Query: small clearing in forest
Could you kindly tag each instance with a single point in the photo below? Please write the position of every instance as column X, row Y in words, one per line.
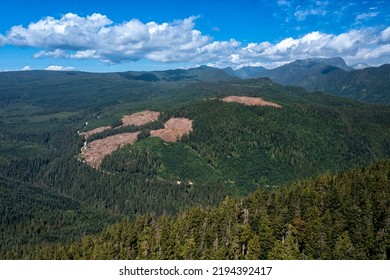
column 140, row 118
column 173, row 129
column 246, row 100
column 94, row 152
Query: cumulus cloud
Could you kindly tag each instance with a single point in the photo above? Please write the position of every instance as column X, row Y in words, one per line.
column 59, row 68
column 368, row 45
column 385, row 35
column 70, row 32
column 26, row 68
column 97, row 37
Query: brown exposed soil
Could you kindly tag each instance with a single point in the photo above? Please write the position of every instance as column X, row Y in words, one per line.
column 173, row 129
column 250, row 101
column 140, row 118
column 88, row 133
column 94, row 152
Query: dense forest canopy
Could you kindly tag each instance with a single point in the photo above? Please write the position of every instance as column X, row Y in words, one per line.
column 332, row 216
column 55, row 206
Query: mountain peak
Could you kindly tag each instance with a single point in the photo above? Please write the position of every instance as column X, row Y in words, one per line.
column 318, row 61
column 248, row 72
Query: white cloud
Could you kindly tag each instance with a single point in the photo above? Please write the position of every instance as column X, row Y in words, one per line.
column 385, row 35
column 56, row 54
column 301, row 15
column 284, row 3
column 368, row 45
column 97, row 37
column 311, row 8
column 366, row 16
column 26, row 68
column 59, row 68
column 70, row 32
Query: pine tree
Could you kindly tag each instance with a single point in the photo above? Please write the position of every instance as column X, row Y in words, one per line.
column 344, row 249
column 285, row 249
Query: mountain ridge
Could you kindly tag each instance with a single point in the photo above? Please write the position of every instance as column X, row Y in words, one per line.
column 333, row 76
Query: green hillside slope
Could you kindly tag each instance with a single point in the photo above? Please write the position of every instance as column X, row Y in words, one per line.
column 30, row 215
column 251, row 146
column 342, row 216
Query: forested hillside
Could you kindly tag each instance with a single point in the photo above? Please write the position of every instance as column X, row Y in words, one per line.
column 244, row 147
column 49, row 196
column 333, row 216
column 30, row 215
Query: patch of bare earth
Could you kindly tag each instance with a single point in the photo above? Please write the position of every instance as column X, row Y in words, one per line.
column 140, row 118
column 174, row 129
column 88, row 133
column 246, row 100
column 94, row 152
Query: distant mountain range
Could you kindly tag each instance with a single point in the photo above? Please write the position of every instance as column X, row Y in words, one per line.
column 247, row 72
column 202, row 73
column 330, row 75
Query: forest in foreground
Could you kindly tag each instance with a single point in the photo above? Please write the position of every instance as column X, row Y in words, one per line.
column 333, row 216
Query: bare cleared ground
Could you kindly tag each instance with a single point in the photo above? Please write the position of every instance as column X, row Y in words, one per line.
column 246, row 100
column 173, row 129
column 140, row 118
column 96, row 151
column 93, row 153
column 88, row 133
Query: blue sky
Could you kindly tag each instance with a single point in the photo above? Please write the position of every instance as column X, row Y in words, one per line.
column 109, row 35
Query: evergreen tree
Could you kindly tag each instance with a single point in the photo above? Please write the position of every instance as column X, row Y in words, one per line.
column 344, row 249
